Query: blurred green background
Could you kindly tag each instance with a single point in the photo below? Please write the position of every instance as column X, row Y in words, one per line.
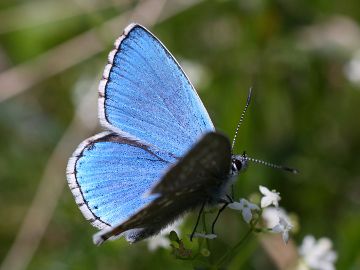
column 302, row 57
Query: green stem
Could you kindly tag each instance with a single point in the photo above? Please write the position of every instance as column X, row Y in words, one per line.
column 206, row 239
column 228, row 255
column 205, row 230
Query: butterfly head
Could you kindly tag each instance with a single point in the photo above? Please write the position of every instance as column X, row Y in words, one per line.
column 239, row 164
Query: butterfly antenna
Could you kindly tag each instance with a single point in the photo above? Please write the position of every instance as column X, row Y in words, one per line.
column 241, row 117
column 271, row 165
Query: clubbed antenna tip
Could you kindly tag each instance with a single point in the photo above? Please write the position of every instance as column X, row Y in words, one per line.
column 275, row 166
column 292, row 170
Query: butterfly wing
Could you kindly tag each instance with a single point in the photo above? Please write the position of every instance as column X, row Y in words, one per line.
column 200, row 176
column 108, row 174
column 151, row 109
column 145, row 94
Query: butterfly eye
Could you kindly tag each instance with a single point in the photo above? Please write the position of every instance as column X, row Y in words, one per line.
column 238, row 164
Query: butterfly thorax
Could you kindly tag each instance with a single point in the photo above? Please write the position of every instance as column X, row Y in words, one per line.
column 218, row 192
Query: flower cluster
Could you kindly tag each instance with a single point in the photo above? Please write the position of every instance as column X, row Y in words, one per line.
column 317, row 255
column 246, row 209
column 313, row 254
column 269, row 198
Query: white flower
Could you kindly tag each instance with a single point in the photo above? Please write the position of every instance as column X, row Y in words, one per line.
column 272, row 215
column 161, row 240
column 269, row 197
column 245, row 207
column 283, row 227
column 318, row 255
column 203, row 235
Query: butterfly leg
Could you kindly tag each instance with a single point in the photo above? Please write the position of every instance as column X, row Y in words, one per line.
column 197, row 220
column 226, row 203
column 217, row 216
column 231, row 198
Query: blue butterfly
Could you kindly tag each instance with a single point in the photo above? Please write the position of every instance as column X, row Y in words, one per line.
column 161, row 155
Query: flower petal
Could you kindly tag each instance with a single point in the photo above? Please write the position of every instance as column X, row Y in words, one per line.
column 277, row 229
column 264, row 190
column 247, row 215
column 266, row 201
column 203, row 235
column 285, row 236
column 235, row 206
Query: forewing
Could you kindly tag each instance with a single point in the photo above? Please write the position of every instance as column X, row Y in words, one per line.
column 197, row 178
column 145, row 93
column 206, row 165
column 109, row 174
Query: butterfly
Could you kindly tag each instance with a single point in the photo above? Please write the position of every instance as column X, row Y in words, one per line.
column 160, row 156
